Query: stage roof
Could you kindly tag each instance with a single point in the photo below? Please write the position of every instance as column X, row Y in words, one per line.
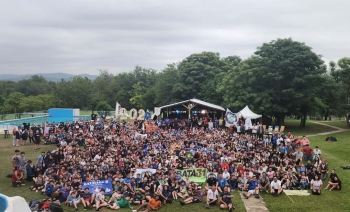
column 196, row 101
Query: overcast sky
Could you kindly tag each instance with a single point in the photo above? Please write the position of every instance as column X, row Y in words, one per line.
column 86, row 36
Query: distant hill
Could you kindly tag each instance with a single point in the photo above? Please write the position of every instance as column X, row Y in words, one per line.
column 55, row 77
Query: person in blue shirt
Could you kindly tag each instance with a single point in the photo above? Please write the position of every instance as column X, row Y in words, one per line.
column 253, row 188
column 274, row 142
column 138, row 178
column 73, row 200
column 167, row 122
column 221, row 182
column 50, row 188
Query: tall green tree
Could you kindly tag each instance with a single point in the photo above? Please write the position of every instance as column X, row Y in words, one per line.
column 341, row 74
column 12, row 102
column 282, row 77
column 168, row 87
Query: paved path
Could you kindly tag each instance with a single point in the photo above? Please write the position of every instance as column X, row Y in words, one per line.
column 337, row 130
column 258, row 205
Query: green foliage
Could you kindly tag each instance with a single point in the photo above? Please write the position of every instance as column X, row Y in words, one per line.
column 283, row 77
column 12, row 102
column 103, row 106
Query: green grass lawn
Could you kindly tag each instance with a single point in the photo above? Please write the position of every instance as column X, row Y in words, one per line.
column 7, row 151
column 336, row 154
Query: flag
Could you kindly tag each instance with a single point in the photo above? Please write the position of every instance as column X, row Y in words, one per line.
column 147, row 115
column 117, row 109
column 230, row 118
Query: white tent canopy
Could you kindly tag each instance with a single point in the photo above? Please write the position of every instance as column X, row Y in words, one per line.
column 247, row 113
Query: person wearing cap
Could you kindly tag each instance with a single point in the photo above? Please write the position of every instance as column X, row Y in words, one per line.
column 100, row 200
column 226, row 199
column 86, row 197
column 197, row 199
column 211, row 181
column 253, row 187
column 212, row 196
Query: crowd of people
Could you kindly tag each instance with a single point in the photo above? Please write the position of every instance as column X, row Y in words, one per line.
column 247, row 160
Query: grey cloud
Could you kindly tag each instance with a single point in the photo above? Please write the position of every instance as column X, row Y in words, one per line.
column 85, row 36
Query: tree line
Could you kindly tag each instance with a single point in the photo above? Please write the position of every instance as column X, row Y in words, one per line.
column 282, row 77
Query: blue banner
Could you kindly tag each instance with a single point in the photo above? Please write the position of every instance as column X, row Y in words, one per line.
column 96, row 185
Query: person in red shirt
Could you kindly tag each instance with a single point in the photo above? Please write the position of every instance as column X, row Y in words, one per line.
column 224, row 165
column 308, row 153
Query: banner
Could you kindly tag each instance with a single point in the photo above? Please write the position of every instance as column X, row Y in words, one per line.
column 96, row 185
column 248, row 124
column 230, row 118
column 157, row 111
column 141, row 135
column 144, row 171
column 117, row 109
column 197, row 175
column 150, row 128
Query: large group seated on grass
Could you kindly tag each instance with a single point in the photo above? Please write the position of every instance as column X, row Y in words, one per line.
column 248, row 161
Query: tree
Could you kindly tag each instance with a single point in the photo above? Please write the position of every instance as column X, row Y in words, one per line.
column 341, row 74
column 167, row 88
column 103, row 106
column 12, row 102
column 76, row 93
column 282, row 77
column 196, row 70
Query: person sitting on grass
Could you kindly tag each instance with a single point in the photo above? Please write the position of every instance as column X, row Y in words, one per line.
column 334, row 183
column 304, row 181
column 113, row 201
column 183, row 190
column 226, row 199
column 253, row 188
column 17, row 177
column 100, row 200
column 137, row 198
column 50, row 188
column 316, row 185
column 212, row 196
column 197, row 199
column 73, row 200
column 275, row 187
column 86, row 197
column 153, row 205
column 39, row 182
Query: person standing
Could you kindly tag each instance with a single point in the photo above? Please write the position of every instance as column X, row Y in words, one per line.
column 24, row 137
column 37, row 138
